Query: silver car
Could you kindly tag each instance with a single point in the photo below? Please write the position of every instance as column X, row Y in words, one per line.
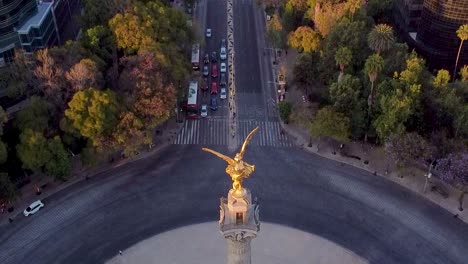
column 33, row 208
column 223, row 94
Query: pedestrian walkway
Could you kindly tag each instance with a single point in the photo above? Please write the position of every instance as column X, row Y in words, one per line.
column 215, row 131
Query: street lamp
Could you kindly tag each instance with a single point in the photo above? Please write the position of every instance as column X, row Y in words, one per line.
column 428, row 176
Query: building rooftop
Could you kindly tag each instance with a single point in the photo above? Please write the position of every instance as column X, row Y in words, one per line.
column 36, row 20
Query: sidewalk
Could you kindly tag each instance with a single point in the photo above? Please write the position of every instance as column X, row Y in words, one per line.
column 163, row 138
column 357, row 154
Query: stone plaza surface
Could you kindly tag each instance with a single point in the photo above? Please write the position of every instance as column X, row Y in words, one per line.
column 203, row 243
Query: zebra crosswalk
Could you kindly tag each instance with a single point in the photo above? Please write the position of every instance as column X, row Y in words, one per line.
column 215, row 131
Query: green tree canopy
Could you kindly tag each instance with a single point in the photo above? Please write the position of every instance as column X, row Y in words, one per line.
column 330, row 123
column 59, row 164
column 346, row 94
column 35, row 115
column 32, row 150
column 92, row 113
column 3, row 152
column 7, row 189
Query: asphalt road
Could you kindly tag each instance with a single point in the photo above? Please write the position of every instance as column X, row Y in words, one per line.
column 180, row 185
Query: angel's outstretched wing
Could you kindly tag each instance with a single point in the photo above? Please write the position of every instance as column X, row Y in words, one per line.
column 246, row 141
column 224, row 157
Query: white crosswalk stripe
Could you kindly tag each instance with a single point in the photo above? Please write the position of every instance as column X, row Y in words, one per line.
column 215, row 131
column 269, row 133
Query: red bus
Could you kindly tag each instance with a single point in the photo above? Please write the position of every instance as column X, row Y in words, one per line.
column 192, row 100
column 195, row 57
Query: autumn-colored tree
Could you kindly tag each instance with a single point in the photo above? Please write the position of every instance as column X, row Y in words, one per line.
column 326, row 15
column 462, row 34
column 84, row 74
column 50, row 75
column 343, row 58
column 131, row 134
column 304, row 39
column 353, row 6
column 275, row 32
column 93, row 114
column 464, row 73
column 442, row 79
column 381, row 38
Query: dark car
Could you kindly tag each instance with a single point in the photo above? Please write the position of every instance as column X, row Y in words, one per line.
column 214, row 103
column 214, row 57
column 223, row 43
column 206, row 59
column 214, row 70
column 222, row 81
column 214, row 88
column 205, row 84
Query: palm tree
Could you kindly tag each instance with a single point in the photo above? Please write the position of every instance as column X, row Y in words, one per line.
column 381, row 38
column 462, row 34
column 343, row 57
column 374, row 65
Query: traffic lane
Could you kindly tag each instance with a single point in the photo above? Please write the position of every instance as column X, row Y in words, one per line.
column 216, row 20
column 373, row 217
column 247, row 78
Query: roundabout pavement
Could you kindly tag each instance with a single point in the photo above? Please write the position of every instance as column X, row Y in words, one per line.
column 376, row 219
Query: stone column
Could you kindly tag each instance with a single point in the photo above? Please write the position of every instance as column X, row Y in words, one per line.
column 239, row 223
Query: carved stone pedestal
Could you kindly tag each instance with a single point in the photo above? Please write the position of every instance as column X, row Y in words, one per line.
column 239, row 223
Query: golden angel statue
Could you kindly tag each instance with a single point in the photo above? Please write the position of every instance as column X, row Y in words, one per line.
column 237, row 168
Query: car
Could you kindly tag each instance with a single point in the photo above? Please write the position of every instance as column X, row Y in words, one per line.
column 208, row 32
column 214, row 88
column 206, row 72
column 222, row 53
column 204, row 111
column 223, row 94
column 222, row 80
column 214, row 58
column 214, row 103
column 189, row 10
column 214, row 70
column 223, row 43
column 223, row 67
column 206, row 59
column 204, row 86
column 33, row 208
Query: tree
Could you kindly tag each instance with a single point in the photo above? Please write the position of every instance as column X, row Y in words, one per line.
column 35, row 115
column 462, row 34
column 305, row 69
column 442, row 79
column 330, row 123
column 18, row 75
column 374, row 65
column 343, row 57
column 381, row 38
column 3, row 119
column 131, row 134
column 464, row 73
column 304, row 39
column 84, row 74
column 353, row 6
column 326, row 15
column 7, row 189
column 92, row 113
column 59, row 164
column 408, row 148
column 50, row 75
column 149, row 95
column 275, row 33
column 32, row 150
column 285, row 109
column 453, row 170
column 345, row 95
column 3, row 152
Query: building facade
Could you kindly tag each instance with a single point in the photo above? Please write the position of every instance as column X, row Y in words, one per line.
column 430, row 27
column 13, row 14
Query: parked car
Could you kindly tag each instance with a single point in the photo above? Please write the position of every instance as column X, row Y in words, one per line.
column 208, row 32
column 206, row 72
column 223, row 67
column 214, row 88
column 206, row 59
column 222, row 80
column 223, row 94
column 204, row 86
column 214, row 57
column 223, row 43
column 33, row 208
column 222, row 53
column 214, row 70
column 214, row 103
column 204, row 111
